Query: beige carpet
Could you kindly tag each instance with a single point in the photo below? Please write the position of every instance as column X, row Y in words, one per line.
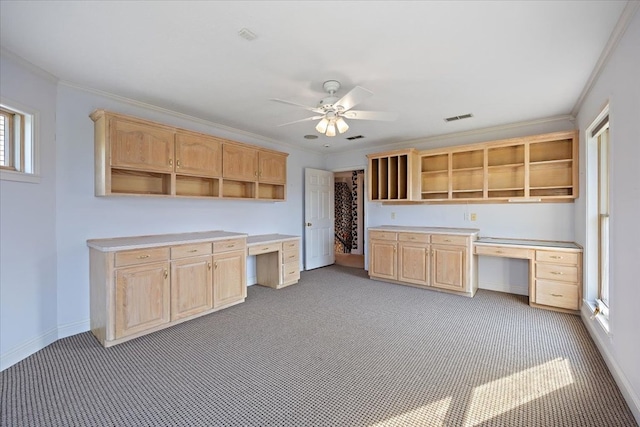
column 337, row 349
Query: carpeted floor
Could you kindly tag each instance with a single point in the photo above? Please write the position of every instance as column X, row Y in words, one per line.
column 337, row 349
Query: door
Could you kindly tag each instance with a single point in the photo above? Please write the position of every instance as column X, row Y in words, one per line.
column 383, row 259
column 229, row 278
column 139, row 146
column 198, row 155
column 239, row 162
column 191, row 289
column 448, row 267
column 319, row 218
column 272, row 167
column 413, row 263
column 142, row 298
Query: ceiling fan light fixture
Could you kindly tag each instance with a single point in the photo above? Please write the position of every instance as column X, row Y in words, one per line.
column 342, row 125
column 331, row 129
column 322, row 125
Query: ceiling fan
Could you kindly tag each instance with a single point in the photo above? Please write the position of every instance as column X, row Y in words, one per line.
column 332, row 111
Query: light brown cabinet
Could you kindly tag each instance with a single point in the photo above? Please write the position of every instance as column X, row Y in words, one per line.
column 394, row 175
column 533, row 168
column 166, row 279
column 141, row 298
column 139, row 157
column 277, row 259
column 426, row 258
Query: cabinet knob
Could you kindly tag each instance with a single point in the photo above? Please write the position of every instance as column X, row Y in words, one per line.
column 309, row 224
column 209, row 265
column 170, row 162
column 215, row 265
column 166, row 273
column 178, row 163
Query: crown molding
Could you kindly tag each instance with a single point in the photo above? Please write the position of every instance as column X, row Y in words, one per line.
column 28, row 65
column 479, row 131
column 626, row 16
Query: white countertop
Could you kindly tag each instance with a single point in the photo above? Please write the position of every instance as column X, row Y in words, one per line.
column 429, row 230
column 139, row 242
column 269, row 238
column 526, row 243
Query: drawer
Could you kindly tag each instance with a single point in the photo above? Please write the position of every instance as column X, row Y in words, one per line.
column 413, row 237
column 141, row 256
column 263, row 249
column 185, row 251
column 383, row 235
column 557, row 294
column 291, row 245
column 557, row 257
column 229, row 245
column 290, row 256
column 447, row 239
column 504, row 251
column 564, row 273
column 290, row 272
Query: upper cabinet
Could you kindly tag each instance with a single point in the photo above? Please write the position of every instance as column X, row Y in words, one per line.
column 528, row 169
column 394, row 176
column 139, row 157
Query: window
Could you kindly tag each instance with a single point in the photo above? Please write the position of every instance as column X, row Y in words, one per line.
column 17, row 144
column 598, row 209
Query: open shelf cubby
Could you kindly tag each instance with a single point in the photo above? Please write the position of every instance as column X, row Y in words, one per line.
column 509, row 155
column 238, row 189
column 270, row 191
column 468, row 194
column 468, row 159
column 556, row 174
column 197, row 186
column 436, row 181
column 468, row 179
column 435, row 163
column 551, row 150
column 427, row 195
column 504, row 177
column 124, row 181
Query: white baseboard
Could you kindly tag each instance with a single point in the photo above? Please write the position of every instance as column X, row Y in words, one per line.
column 73, row 328
column 619, row 377
column 252, row 281
column 25, row 350
column 508, row 288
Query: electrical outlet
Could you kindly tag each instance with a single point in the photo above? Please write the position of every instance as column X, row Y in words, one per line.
column 473, row 216
column 466, row 216
column 393, row 215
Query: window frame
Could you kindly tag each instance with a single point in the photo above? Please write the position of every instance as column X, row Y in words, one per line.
column 25, row 149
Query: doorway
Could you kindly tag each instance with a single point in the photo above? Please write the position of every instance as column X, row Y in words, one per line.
column 349, row 218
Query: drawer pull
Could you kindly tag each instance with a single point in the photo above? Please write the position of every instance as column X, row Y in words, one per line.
column 556, row 295
column 292, row 272
column 265, row 249
column 193, row 250
column 143, row 256
column 555, row 257
column 499, row 252
column 412, row 238
column 231, row 246
column 557, row 273
column 447, row 240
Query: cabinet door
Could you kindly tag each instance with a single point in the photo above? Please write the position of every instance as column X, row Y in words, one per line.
column 229, row 278
column 383, row 260
column 198, row 155
column 142, row 298
column 272, row 167
column 239, row 162
column 139, row 146
column 448, row 268
column 413, row 263
column 191, row 286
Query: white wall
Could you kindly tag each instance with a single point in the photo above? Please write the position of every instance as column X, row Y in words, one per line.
column 548, row 221
column 83, row 216
column 618, row 84
column 28, row 258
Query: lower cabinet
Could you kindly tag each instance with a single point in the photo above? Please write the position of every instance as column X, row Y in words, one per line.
column 229, row 278
column 141, row 298
column 424, row 259
column 138, row 291
column 557, row 282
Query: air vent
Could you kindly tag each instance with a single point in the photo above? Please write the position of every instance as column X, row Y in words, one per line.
column 247, row 34
column 460, row 117
column 351, row 138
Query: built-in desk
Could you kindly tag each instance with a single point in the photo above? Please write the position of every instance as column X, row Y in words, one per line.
column 555, row 269
column 277, row 259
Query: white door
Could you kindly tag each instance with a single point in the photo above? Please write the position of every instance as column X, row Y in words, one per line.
column 318, row 218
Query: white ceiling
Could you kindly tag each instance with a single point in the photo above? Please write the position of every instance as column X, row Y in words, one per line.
column 502, row 61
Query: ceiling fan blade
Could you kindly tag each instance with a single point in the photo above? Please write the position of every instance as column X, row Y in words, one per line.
column 353, row 97
column 314, row 109
column 302, row 120
column 370, row 115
